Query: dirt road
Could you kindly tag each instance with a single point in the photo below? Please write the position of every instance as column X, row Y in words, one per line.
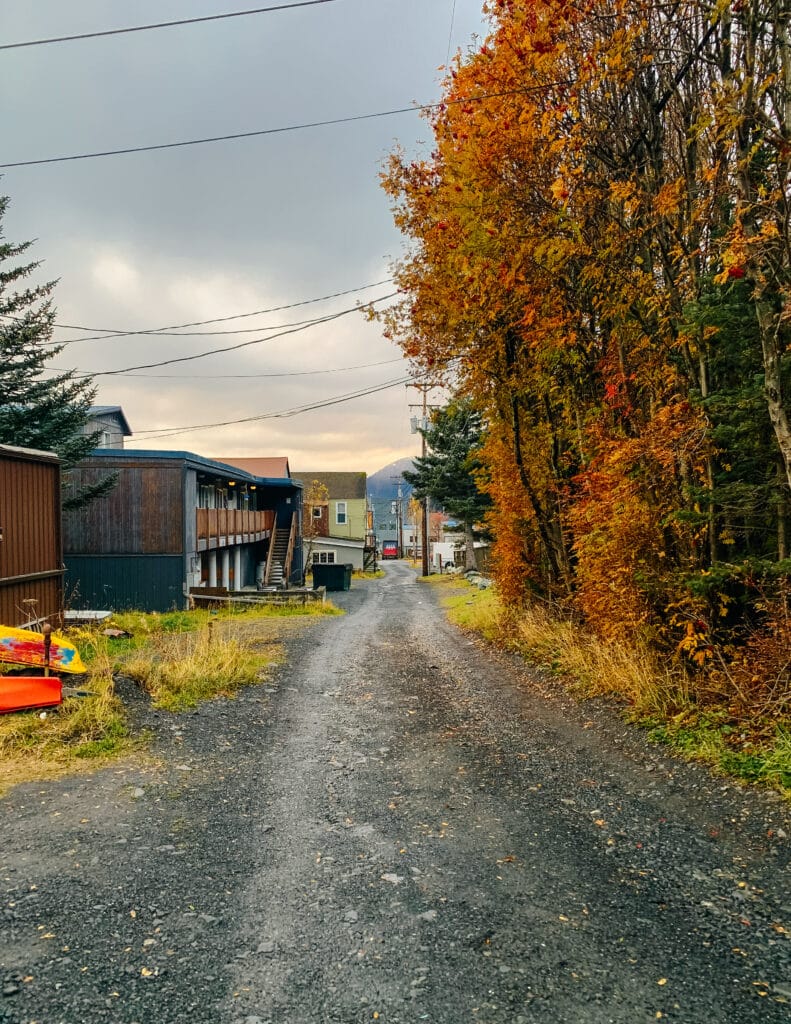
column 398, row 828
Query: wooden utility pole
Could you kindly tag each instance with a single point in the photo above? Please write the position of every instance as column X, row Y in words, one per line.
column 424, row 390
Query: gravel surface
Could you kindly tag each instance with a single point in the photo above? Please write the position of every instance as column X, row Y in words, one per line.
column 401, row 826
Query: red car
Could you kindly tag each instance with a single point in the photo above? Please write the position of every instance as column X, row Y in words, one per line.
column 389, row 549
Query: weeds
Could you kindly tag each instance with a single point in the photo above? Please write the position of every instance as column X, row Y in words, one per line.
column 181, row 670
column 43, row 744
column 180, row 658
column 666, row 699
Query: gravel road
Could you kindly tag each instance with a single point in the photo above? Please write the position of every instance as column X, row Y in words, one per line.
column 401, row 826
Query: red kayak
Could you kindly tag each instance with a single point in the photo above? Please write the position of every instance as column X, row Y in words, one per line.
column 20, row 692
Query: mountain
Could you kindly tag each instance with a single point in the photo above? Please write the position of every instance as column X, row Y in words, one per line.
column 383, row 484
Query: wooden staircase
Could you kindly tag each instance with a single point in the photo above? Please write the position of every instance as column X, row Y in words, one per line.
column 277, row 571
column 281, row 550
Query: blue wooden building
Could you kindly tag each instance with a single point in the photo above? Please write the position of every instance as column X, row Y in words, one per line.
column 176, row 521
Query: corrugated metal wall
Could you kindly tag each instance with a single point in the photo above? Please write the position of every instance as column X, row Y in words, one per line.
column 152, row 583
column 31, row 560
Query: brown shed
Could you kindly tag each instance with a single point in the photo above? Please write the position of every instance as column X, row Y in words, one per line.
column 31, row 551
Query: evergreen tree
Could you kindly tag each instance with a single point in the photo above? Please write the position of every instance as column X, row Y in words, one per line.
column 36, row 411
column 446, row 474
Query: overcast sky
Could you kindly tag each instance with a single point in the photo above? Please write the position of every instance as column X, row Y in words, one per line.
column 171, row 237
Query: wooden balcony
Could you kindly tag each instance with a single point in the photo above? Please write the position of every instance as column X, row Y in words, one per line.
column 219, row 527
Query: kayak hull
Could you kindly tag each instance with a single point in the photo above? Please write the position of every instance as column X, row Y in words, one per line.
column 17, row 693
column 25, row 647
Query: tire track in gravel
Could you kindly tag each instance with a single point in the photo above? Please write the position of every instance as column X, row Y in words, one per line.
column 403, row 824
column 451, row 847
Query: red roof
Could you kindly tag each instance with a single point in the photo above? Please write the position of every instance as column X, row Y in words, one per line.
column 275, row 467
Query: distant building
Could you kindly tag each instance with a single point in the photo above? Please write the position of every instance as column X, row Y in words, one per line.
column 110, row 422
column 343, row 531
column 275, row 466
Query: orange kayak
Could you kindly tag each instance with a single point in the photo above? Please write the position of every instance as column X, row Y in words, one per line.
column 20, row 692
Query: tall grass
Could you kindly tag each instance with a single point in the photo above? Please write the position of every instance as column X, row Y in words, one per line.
column 180, row 658
column 45, row 743
column 659, row 696
column 181, row 670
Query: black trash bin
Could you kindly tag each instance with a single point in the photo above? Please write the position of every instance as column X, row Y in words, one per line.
column 347, row 576
column 333, row 577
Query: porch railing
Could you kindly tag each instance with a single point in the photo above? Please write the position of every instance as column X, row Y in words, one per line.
column 217, row 527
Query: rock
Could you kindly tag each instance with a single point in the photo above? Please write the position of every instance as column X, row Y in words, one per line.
column 138, row 792
column 351, row 916
column 392, row 878
column 782, row 988
column 428, row 915
column 267, row 947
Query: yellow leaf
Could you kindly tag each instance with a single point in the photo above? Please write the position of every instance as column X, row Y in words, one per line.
column 146, row 972
column 662, row 981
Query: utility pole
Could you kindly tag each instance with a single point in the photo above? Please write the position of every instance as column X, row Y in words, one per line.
column 424, row 390
column 396, row 507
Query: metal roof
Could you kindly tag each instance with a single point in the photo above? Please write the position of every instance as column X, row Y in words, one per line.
column 196, row 462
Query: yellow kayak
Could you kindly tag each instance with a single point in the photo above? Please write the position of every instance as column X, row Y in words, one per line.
column 26, row 647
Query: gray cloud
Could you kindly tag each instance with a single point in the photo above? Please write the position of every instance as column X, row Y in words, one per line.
column 150, row 239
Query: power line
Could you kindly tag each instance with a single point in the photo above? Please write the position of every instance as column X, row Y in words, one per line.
column 249, row 376
column 280, row 414
column 450, row 33
column 242, row 344
column 162, row 24
column 188, row 334
column 116, row 332
column 214, row 138
column 414, row 109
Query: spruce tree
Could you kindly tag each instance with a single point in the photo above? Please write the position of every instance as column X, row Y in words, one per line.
column 47, row 413
column 447, row 473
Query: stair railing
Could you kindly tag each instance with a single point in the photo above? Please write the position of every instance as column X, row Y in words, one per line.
column 290, row 550
column 270, row 552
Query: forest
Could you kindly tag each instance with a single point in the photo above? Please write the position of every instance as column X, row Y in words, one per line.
column 598, row 259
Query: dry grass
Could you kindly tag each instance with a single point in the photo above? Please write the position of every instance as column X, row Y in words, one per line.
column 180, row 658
column 83, row 731
column 179, row 670
column 659, row 696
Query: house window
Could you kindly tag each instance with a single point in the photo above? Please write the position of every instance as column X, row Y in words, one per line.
column 323, row 557
column 340, row 512
column 317, row 511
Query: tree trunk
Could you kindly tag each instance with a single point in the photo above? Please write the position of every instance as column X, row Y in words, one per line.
column 469, row 548
column 769, row 326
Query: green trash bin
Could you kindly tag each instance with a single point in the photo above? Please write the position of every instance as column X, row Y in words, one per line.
column 347, row 576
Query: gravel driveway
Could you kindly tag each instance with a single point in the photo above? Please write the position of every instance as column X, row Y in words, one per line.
column 400, row 827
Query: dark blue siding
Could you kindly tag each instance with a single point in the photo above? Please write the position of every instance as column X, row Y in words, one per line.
column 151, row 583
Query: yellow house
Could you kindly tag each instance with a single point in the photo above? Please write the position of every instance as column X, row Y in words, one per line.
column 336, row 526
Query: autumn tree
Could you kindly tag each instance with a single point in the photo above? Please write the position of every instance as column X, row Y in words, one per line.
column 598, row 244
column 315, row 509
